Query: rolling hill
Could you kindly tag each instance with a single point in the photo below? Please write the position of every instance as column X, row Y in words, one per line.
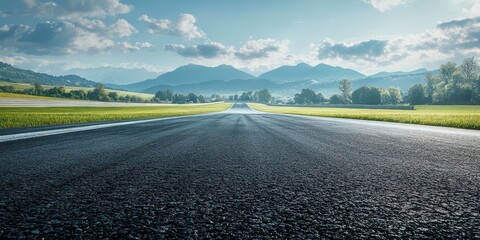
column 113, row 75
column 8, row 73
column 303, row 71
column 190, row 74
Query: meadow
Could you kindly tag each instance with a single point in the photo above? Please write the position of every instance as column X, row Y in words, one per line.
column 23, row 86
column 17, row 117
column 458, row 116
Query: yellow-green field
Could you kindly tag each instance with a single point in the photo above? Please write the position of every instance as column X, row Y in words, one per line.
column 23, row 86
column 16, row 117
column 448, row 116
column 25, row 96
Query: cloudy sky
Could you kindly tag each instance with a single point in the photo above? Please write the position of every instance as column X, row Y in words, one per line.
column 369, row 36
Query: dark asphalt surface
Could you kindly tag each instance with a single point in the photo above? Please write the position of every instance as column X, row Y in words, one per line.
column 241, row 174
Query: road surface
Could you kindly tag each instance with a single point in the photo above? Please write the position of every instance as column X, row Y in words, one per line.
column 243, row 174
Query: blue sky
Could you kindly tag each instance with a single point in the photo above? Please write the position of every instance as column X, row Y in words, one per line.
column 254, row 35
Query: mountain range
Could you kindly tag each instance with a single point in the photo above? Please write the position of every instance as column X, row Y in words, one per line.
column 9, row 73
column 225, row 79
column 113, row 75
column 303, row 71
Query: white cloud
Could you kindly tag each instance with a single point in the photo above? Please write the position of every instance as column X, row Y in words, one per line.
column 206, row 50
column 184, row 26
column 128, row 47
column 75, row 9
column 473, row 11
column 66, row 38
column 449, row 41
column 384, row 5
column 13, row 60
column 122, row 28
column 262, row 48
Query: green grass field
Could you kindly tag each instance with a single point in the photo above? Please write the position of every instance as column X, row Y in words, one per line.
column 23, row 86
column 447, row 116
column 16, row 117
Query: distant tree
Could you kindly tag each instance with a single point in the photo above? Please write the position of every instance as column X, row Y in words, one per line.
column 416, row 94
column 235, row 97
column 308, row 96
column 98, row 94
column 345, row 87
column 246, row 96
column 179, row 98
column 391, row 96
column 192, row 97
column 336, row 99
column 113, row 96
column 161, row 95
column 216, row 97
column 430, row 83
column 367, row 95
column 8, row 89
column 169, row 94
column 201, row 99
column 264, row 96
column 38, row 89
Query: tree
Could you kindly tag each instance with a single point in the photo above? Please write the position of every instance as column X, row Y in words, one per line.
column 264, row 96
column 113, row 96
column 345, row 87
column 161, row 96
column 391, row 96
column 98, row 94
column 179, row 98
column 416, row 94
column 336, row 99
column 201, row 99
column 192, row 97
column 430, row 83
column 307, row 96
column 469, row 70
column 38, row 89
column 367, row 95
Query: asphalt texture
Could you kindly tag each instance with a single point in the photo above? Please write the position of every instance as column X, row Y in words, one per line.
column 243, row 174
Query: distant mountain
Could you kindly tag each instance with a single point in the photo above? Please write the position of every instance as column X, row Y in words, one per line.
column 303, row 71
column 113, row 75
column 12, row 74
column 399, row 73
column 191, row 74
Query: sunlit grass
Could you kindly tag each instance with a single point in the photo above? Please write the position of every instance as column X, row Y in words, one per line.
column 25, row 96
column 445, row 115
column 16, row 117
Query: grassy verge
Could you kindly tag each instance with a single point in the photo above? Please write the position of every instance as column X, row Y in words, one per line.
column 26, row 96
column 447, row 116
column 16, row 117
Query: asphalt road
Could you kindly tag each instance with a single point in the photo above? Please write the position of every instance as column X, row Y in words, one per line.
column 243, row 174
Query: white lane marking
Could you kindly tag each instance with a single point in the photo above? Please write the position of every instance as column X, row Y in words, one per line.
column 18, row 136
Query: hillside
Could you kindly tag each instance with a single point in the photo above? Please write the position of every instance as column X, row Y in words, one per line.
column 113, row 75
column 303, row 71
column 8, row 73
column 190, row 74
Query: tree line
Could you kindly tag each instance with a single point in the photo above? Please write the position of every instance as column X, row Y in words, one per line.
column 453, row 85
column 168, row 96
column 101, row 94
column 97, row 94
column 262, row 96
column 362, row 95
